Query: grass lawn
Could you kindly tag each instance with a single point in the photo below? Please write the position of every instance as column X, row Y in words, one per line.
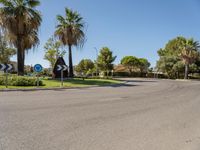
column 69, row 83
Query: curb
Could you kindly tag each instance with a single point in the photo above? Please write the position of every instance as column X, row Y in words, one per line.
column 42, row 89
column 183, row 80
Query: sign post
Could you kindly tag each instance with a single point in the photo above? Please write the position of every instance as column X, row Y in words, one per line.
column 38, row 68
column 62, row 78
column 62, row 68
column 6, row 68
column 6, row 78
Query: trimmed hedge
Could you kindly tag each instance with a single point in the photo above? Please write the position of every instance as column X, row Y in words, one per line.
column 20, row 81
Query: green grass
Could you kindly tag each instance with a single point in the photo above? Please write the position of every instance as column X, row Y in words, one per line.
column 69, row 83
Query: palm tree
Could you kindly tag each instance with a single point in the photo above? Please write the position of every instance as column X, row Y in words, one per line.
column 20, row 22
column 189, row 53
column 70, row 32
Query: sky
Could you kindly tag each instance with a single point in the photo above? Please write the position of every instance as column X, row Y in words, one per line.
column 128, row 27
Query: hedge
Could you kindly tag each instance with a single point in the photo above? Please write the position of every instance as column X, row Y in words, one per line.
column 20, row 81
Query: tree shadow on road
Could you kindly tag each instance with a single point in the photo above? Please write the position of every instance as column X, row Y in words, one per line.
column 122, row 85
column 129, row 80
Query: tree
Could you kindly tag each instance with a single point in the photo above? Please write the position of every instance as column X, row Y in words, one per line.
column 144, row 65
column 177, row 53
column 5, row 51
column 194, row 68
column 53, row 51
column 20, row 21
column 70, row 32
column 85, row 66
column 198, row 64
column 131, row 63
column 51, row 57
column 169, row 62
column 105, row 60
column 172, row 47
column 178, row 68
column 168, row 65
column 189, row 53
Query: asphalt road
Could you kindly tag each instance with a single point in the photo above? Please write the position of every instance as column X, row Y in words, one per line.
column 143, row 115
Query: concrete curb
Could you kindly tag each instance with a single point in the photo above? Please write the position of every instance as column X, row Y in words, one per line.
column 42, row 89
column 183, row 80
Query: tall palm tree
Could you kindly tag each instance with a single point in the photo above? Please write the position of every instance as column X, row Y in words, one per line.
column 20, row 22
column 189, row 53
column 70, row 32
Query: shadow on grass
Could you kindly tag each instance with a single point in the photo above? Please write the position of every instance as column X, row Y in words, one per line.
column 76, row 84
column 96, row 86
column 88, row 82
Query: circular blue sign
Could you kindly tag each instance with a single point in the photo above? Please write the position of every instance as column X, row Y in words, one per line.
column 38, row 68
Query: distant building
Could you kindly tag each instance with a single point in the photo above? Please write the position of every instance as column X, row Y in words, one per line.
column 120, row 68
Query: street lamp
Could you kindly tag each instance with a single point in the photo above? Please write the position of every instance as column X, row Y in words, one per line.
column 96, row 61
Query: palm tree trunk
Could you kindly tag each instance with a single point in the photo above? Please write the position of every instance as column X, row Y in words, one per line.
column 20, row 58
column 186, row 71
column 71, row 72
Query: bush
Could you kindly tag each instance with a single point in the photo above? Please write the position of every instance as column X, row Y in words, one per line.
column 2, row 79
column 20, row 81
column 160, row 76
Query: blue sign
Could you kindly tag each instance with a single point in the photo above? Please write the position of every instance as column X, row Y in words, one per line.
column 38, row 68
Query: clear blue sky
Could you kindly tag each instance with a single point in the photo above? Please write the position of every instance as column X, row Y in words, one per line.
column 127, row 27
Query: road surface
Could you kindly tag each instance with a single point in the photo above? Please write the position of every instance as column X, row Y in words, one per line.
column 143, row 115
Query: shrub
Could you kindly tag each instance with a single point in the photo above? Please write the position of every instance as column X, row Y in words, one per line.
column 20, row 81
column 2, row 79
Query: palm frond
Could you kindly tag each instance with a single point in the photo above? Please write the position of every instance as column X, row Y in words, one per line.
column 7, row 3
column 32, row 3
column 70, row 28
column 18, row 18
